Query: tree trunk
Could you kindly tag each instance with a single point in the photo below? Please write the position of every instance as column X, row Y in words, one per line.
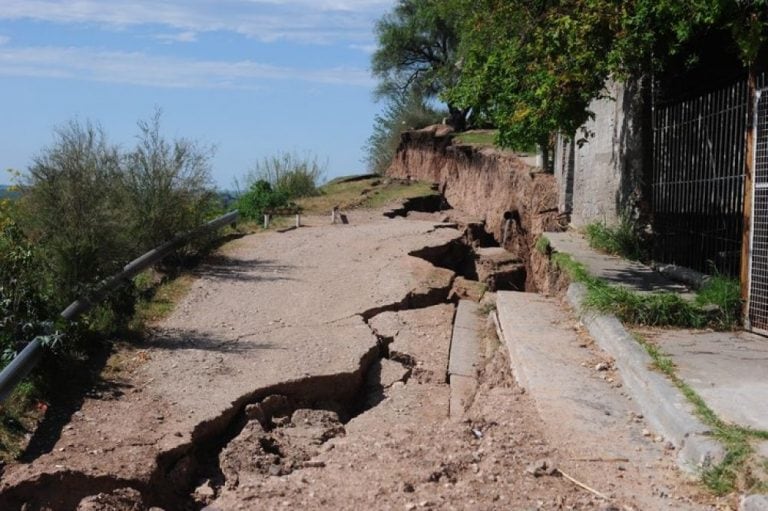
column 457, row 118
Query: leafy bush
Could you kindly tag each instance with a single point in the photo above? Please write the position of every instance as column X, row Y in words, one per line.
column 24, row 293
column 259, row 199
column 288, row 174
column 401, row 113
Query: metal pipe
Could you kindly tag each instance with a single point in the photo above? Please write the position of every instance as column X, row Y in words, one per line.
column 19, row 367
column 23, row 363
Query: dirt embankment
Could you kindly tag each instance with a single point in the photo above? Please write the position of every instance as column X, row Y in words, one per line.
column 489, row 184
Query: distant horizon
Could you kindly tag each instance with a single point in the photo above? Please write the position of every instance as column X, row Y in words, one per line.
column 253, row 78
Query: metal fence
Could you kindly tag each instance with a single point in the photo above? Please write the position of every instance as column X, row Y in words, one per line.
column 758, row 266
column 697, row 185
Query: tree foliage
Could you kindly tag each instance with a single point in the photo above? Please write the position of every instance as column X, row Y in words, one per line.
column 532, row 67
column 72, row 208
column 259, row 199
column 417, row 51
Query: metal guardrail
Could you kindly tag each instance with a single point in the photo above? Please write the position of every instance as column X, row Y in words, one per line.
column 23, row 363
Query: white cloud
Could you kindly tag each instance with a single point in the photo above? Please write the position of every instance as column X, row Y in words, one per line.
column 180, row 37
column 137, row 68
column 365, row 48
column 308, row 21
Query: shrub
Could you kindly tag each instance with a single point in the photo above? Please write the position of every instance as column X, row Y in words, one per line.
column 24, row 294
column 288, row 174
column 166, row 186
column 259, row 199
column 71, row 208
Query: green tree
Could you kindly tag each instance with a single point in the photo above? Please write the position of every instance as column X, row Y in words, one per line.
column 418, row 51
column 533, row 67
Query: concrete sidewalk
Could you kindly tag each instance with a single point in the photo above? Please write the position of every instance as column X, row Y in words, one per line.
column 729, row 370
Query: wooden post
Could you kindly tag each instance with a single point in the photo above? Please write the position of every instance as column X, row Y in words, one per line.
column 266, row 220
column 746, row 235
column 334, row 214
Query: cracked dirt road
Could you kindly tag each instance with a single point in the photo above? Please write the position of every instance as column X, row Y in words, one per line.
column 303, row 369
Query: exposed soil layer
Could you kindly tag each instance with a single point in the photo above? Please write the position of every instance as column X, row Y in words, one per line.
column 491, row 185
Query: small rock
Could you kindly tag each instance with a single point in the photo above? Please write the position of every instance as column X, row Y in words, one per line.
column 658, row 439
column 646, row 433
column 275, row 470
column 541, row 468
column 410, row 506
column 602, row 366
column 205, row 492
column 314, row 464
column 408, row 488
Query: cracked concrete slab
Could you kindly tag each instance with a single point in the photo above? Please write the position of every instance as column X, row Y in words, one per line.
column 272, row 310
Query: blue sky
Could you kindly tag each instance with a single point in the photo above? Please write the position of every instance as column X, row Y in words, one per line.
column 251, row 77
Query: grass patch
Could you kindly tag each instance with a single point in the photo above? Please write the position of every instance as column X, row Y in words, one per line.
column 621, row 240
column 477, row 137
column 372, row 192
column 159, row 297
column 715, row 305
column 19, row 415
column 735, row 471
column 488, row 138
column 543, row 245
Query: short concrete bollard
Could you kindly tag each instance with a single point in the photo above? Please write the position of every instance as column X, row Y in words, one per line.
column 266, row 221
column 298, row 220
column 334, row 214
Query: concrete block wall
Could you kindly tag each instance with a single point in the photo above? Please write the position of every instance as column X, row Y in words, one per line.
column 599, row 169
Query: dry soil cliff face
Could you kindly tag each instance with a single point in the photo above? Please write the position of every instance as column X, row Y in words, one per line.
column 485, row 183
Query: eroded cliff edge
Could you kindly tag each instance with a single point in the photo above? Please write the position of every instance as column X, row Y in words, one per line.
column 486, row 183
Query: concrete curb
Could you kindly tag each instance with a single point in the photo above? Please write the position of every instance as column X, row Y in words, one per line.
column 463, row 357
column 667, row 411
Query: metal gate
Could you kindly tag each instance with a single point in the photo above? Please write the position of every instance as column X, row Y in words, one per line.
column 758, row 267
